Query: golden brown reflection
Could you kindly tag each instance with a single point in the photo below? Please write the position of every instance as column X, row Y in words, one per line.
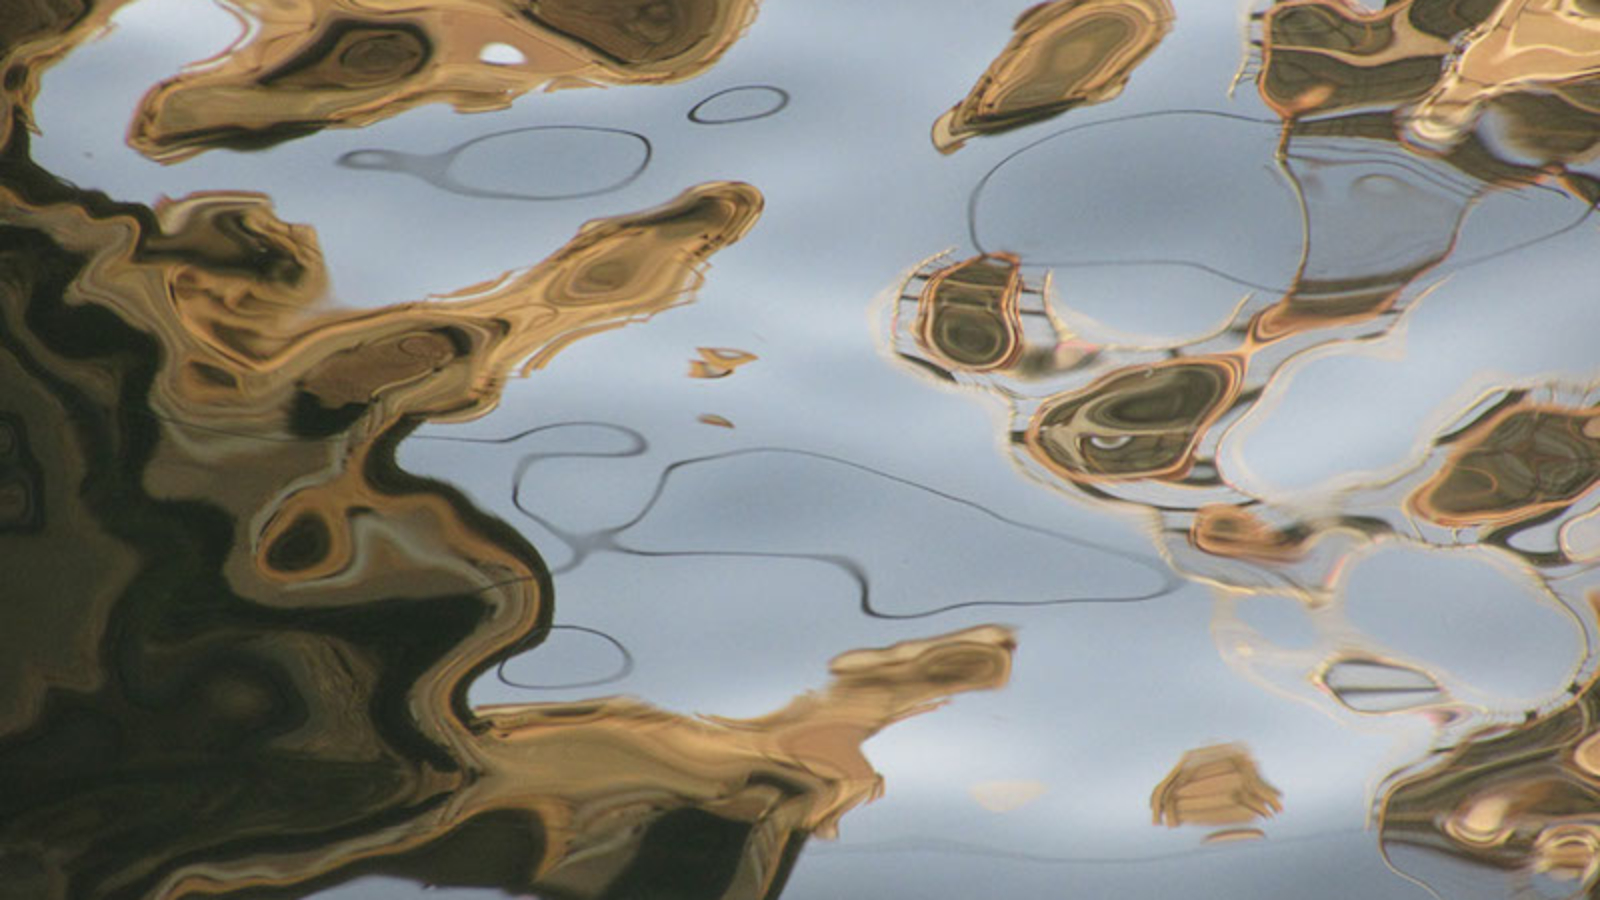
column 1519, row 462
column 1321, row 56
column 1533, row 63
column 1544, row 48
column 718, row 362
column 313, row 64
column 1142, row 424
column 1063, row 54
column 1511, row 484
column 238, row 635
column 1135, row 424
column 1518, row 805
column 967, row 313
column 1215, row 786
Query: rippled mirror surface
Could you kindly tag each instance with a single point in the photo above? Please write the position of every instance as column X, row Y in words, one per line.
column 722, row 449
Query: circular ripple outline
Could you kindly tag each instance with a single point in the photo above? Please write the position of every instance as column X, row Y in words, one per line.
column 540, row 162
column 740, row 104
column 588, row 642
column 1118, row 193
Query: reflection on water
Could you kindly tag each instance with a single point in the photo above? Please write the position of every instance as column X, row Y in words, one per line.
column 1063, row 54
column 1215, row 786
column 1520, row 807
column 1382, row 198
column 289, row 650
column 240, row 636
column 312, row 64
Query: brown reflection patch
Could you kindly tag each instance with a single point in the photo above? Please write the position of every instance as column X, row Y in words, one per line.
column 636, row 33
column 597, row 778
column 1062, row 54
column 1321, row 56
column 1516, row 464
column 1236, row 532
column 313, row 64
column 1139, row 423
column 211, row 701
column 967, row 315
column 1512, row 803
column 718, row 362
column 1527, row 46
column 1216, row 785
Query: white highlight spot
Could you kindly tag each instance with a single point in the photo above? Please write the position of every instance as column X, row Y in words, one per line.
column 498, row 54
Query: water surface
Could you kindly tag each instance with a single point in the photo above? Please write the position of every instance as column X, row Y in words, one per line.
column 702, row 449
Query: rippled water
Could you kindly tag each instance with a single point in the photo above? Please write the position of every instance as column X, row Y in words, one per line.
column 694, row 449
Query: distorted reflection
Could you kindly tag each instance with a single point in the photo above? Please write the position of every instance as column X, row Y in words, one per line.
column 1216, row 786
column 239, row 645
column 1396, row 125
column 313, row 64
column 1548, row 49
column 1506, row 810
column 1533, row 64
column 1521, row 461
column 1141, row 424
column 1062, row 54
column 718, row 362
column 1321, row 56
column 34, row 34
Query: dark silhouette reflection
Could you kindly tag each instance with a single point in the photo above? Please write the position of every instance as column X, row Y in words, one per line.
column 1063, row 54
column 543, row 162
column 1510, row 812
column 238, row 636
column 314, row 64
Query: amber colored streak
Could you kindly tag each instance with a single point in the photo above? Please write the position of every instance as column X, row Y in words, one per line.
column 313, row 64
column 1527, row 45
column 1135, row 423
column 1327, row 303
column 1216, row 785
column 718, row 362
column 1516, row 464
column 1236, row 533
column 967, row 317
column 594, row 774
column 1232, row 835
column 1324, row 55
column 1062, row 54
